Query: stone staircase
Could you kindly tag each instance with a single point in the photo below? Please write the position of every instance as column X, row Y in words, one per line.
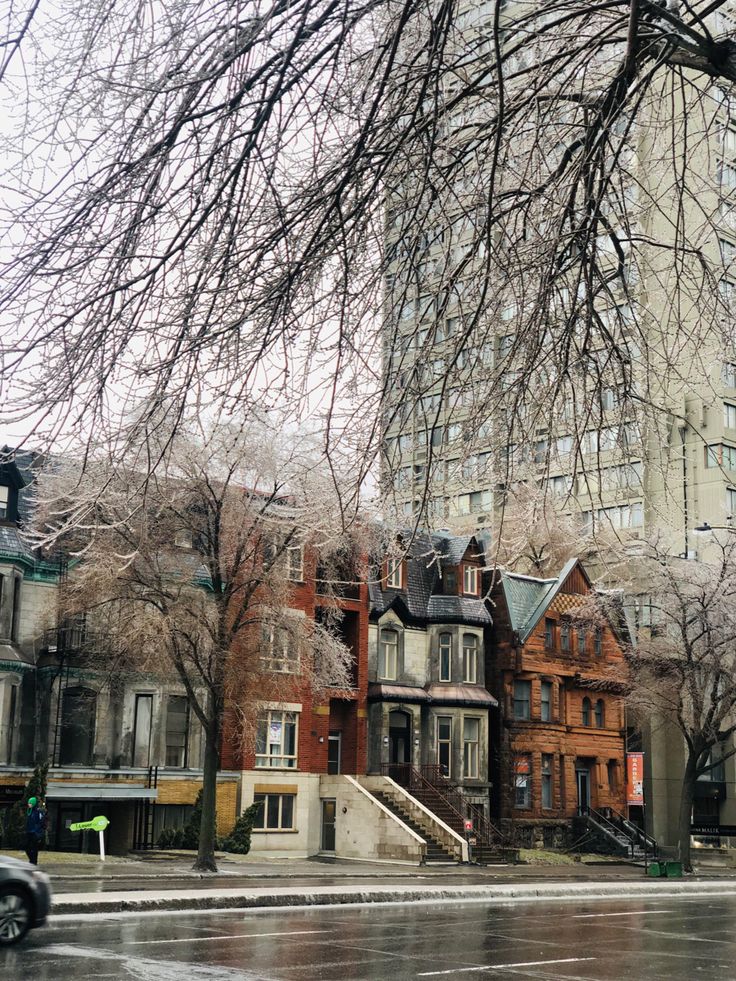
column 436, row 851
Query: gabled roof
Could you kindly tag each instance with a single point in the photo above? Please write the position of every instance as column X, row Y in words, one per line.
column 528, row 598
column 427, row 556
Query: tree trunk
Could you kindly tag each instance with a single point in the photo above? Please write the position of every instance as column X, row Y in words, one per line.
column 686, row 811
column 207, row 831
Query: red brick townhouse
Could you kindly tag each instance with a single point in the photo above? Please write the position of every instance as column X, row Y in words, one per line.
column 291, row 740
column 561, row 740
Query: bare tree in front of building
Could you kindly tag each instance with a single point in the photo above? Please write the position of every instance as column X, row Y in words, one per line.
column 191, row 570
column 682, row 665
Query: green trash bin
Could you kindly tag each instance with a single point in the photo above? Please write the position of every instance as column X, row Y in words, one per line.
column 657, row 869
column 674, row 870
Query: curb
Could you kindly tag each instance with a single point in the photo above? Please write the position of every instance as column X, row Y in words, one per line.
column 323, row 895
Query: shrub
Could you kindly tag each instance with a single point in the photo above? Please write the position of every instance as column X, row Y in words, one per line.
column 188, row 836
column 14, row 828
column 238, row 841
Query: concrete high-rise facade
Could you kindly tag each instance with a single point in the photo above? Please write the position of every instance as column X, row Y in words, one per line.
column 527, row 366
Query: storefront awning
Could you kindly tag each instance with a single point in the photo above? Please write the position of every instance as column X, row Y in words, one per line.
column 97, row 791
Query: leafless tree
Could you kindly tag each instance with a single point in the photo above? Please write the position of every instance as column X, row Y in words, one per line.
column 208, row 202
column 681, row 668
column 187, row 568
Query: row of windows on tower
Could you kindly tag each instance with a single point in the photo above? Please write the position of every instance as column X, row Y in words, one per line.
column 388, row 657
column 591, row 714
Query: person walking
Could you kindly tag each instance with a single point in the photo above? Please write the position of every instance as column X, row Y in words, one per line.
column 35, row 829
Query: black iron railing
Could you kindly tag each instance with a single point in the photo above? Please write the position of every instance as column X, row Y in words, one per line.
column 433, row 789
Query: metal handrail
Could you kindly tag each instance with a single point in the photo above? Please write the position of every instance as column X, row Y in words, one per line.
column 430, row 780
column 616, row 822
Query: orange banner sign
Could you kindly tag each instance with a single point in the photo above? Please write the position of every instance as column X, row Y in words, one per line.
column 634, row 778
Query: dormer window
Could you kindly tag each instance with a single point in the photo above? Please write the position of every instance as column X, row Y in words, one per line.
column 394, row 574
column 4, row 496
column 450, row 578
column 470, row 580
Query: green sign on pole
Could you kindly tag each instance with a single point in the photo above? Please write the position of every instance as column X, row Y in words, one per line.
column 96, row 824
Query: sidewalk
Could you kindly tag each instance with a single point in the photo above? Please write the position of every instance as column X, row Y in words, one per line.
column 167, row 882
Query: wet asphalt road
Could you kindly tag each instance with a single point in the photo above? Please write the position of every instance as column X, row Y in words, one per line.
column 669, row 939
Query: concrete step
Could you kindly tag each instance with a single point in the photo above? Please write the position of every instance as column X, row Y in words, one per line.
column 435, row 849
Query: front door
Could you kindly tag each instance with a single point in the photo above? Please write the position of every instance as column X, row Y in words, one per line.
column 334, row 743
column 583, row 777
column 329, row 811
column 399, row 737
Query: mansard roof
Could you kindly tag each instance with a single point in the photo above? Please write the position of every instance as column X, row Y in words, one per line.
column 426, row 557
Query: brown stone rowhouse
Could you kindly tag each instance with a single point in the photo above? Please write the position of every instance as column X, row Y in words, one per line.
column 559, row 748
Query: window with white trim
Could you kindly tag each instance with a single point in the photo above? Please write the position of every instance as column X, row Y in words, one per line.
column 470, row 659
column 388, row 655
column 471, row 742
column 295, row 563
column 470, row 580
column 4, row 497
column 282, row 650
column 276, row 814
column 276, row 740
column 729, row 415
column 394, row 574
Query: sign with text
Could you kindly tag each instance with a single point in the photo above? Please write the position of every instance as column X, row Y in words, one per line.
column 10, row 792
column 96, row 824
column 713, row 830
column 635, row 778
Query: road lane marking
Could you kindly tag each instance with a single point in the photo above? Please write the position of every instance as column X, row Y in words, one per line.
column 633, row 912
column 224, row 936
column 501, row 967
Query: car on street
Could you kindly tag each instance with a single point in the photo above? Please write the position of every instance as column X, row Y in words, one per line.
column 25, row 899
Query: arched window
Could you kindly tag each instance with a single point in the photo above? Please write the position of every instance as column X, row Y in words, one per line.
column 586, row 711
column 470, row 658
column 388, row 655
column 77, row 736
column 445, row 657
column 600, row 714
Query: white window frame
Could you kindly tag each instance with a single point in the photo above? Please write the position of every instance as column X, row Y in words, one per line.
column 4, row 502
column 277, row 760
column 388, row 654
column 470, row 580
column 295, row 563
column 264, row 811
column 471, row 749
column 394, row 574
column 470, row 659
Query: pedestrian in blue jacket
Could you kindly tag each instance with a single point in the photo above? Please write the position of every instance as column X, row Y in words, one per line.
column 35, row 829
